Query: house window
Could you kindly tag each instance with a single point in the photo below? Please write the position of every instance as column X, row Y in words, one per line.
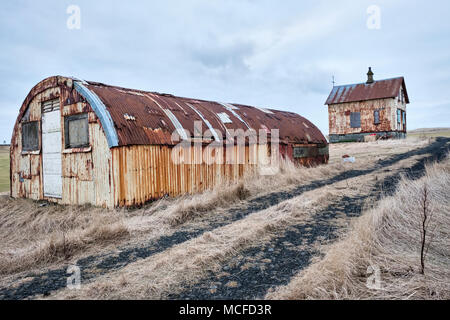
column 376, row 117
column 355, row 120
column 404, row 120
column 76, row 131
column 30, row 136
column 399, row 116
column 402, row 96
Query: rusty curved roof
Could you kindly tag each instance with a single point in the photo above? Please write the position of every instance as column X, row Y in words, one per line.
column 380, row 89
column 144, row 118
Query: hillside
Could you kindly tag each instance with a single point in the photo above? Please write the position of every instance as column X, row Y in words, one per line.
column 430, row 132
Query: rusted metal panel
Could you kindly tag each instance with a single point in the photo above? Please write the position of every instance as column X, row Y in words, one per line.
column 340, row 116
column 141, row 169
column 152, row 117
column 78, row 185
column 389, row 88
column 148, row 172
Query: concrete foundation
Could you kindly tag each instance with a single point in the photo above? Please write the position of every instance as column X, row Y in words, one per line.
column 360, row 137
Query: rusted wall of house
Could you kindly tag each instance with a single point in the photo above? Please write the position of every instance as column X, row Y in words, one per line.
column 143, row 173
column 339, row 116
column 86, row 173
column 131, row 174
column 26, row 166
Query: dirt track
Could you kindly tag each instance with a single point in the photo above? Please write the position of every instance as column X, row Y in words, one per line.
column 273, row 264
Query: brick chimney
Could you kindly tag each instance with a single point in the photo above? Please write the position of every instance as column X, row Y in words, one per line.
column 370, row 76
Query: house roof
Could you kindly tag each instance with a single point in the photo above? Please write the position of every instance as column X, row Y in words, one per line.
column 380, row 89
column 142, row 117
column 136, row 117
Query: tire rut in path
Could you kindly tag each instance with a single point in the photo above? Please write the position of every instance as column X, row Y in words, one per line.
column 96, row 265
column 257, row 269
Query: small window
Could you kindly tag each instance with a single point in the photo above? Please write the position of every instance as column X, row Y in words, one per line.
column 401, row 96
column 399, row 116
column 376, row 117
column 355, row 120
column 76, row 131
column 30, row 136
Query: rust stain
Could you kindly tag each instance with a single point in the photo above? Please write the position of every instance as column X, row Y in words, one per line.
column 141, row 169
column 140, row 119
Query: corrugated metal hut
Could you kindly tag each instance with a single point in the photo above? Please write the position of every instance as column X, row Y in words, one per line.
column 79, row 142
column 367, row 111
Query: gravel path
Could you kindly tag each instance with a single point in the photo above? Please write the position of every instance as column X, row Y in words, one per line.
column 259, row 268
column 93, row 266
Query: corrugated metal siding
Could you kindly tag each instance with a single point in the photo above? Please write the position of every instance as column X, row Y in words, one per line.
column 141, row 118
column 86, row 176
column 144, row 173
column 339, row 116
column 26, row 168
column 133, row 174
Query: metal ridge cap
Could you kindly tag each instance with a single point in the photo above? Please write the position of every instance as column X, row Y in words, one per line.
column 100, row 109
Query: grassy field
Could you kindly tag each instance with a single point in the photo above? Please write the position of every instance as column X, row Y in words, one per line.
column 264, row 237
column 429, row 132
column 4, row 169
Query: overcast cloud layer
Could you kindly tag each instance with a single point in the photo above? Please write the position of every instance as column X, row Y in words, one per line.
column 276, row 54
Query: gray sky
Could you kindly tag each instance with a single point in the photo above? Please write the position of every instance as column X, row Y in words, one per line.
column 273, row 54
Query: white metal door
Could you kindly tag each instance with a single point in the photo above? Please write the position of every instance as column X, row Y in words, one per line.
column 51, row 149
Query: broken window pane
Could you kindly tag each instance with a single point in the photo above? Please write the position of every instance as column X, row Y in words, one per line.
column 30, row 136
column 76, row 131
column 355, row 119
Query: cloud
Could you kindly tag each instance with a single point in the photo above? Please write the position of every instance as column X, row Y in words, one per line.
column 253, row 52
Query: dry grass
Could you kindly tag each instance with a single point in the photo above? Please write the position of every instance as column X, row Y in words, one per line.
column 172, row 270
column 186, row 208
column 4, row 168
column 429, row 132
column 387, row 237
column 368, row 152
column 33, row 236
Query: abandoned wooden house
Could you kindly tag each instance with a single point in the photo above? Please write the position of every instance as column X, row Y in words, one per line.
column 368, row 111
column 78, row 142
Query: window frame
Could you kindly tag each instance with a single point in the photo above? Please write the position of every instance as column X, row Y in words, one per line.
column 37, row 147
column 74, row 117
column 352, row 115
column 376, row 116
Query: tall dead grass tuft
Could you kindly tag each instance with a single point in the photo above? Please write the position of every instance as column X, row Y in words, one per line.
column 380, row 258
column 190, row 207
column 35, row 234
column 193, row 206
